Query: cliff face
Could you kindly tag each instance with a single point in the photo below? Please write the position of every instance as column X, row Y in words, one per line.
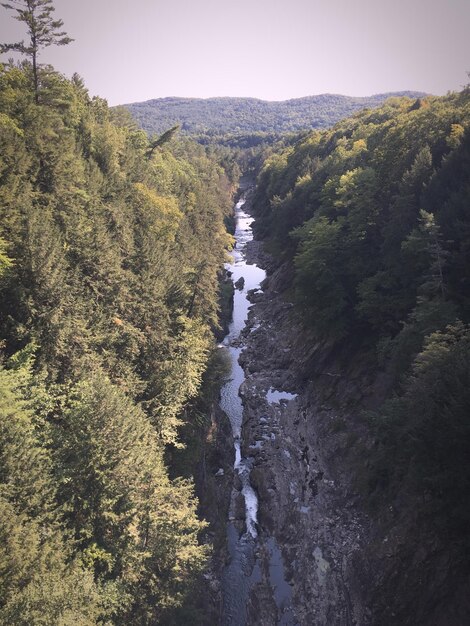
column 347, row 562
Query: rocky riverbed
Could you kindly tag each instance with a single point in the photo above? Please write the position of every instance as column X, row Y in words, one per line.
column 302, row 507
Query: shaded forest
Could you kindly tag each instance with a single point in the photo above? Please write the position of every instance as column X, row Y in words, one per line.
column 112, row 246
column 373, row 218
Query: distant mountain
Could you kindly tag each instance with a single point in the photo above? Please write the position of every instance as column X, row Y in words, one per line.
column 198, row 116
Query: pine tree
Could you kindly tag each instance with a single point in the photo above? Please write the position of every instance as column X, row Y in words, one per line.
column 130, row 520
column 43, row 31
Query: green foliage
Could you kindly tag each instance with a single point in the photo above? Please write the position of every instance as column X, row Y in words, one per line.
column 43, row 31
column 132, row 524
column 5, row 261
column 109, row 257
column 164, row 138
column 320, row 291
column 208, row 118
column 424, row 432
column 40, row 582
column 370, row 240
column 374, row 216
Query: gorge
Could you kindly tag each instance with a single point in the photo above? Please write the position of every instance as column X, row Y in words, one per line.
column 234, row 366
column 354, row 466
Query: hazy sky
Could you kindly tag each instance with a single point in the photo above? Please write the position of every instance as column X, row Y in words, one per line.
column 133, row 50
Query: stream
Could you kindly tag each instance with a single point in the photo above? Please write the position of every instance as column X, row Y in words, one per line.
column 245, row 568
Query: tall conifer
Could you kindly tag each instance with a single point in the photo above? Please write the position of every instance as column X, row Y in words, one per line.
column 43, row 31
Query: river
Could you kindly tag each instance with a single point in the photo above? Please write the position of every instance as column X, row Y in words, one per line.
column 245, row 566
column 240, row 573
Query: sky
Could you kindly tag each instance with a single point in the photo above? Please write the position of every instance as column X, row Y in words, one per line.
column 135, row 50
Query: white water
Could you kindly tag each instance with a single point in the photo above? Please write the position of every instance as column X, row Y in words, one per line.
column 274, row 397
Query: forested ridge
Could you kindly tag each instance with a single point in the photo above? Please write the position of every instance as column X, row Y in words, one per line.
column 111, row 248
column 373, row 218
column 215, row 117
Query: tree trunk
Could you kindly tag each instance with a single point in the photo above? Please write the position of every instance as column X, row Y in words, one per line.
column 35, row 79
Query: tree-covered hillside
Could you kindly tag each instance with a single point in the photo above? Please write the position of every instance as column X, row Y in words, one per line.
column 221, row 116
column 110, row 250
column 374, row 217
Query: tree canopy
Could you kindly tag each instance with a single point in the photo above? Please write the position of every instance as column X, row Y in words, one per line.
column 43, row 31
column 110, row 252
column 373, row 216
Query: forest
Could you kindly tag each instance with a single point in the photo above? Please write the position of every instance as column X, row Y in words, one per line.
column 110, row 252
column 211, row 117
column 373, row 217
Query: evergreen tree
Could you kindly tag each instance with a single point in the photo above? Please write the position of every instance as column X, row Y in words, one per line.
column 43, row 31
column 40, row 581
column 108, row 265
